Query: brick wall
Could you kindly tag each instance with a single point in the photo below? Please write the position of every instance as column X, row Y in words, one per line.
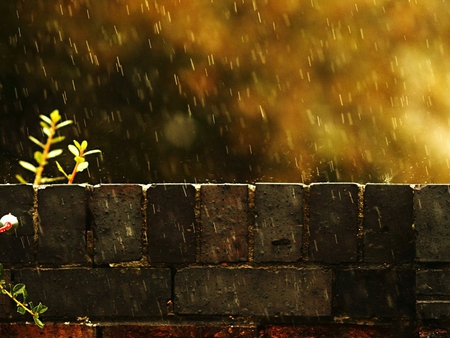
column 230, row 260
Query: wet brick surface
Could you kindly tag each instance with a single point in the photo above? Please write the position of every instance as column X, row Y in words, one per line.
column 171, row 223
column 278, row 223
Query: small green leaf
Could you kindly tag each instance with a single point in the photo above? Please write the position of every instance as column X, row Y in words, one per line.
column 21, row 310
column 94, row 151
column 63, row 124
column 55, row 153
column 36, row 141
column 79, row 159
column 84, row 145
column 54, row 115
column 61, row 169
column 58, row 139
column 21, row 179
column 38, row 322
column 78, row 145
column 82, row 166
column 44, row 125
column 47, row 131
column 40, row 308
column 74, row 150
column 39, row 157
column 46, row 119
column 20, row 289
column 28, row 166
column 45, row 180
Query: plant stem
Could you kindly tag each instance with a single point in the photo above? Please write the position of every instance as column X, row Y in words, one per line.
column 75, row 169
column 17, row 301
column 40, row 169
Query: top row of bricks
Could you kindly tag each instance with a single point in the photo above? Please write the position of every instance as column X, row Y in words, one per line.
column 323, row 222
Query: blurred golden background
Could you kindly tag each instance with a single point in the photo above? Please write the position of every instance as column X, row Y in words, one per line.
column 233, row 91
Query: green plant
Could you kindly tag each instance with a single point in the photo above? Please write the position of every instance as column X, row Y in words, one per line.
column 50, row 125
column 8, row 224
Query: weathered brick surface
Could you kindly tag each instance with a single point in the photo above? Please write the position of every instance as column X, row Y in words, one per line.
column 62, row 225
column 374, row 293
column 180, row 331
column 253, row 291
column 388, row 231
column 339, row 331
column 171, row 223
column 333, row 222
column 224, row 221
column 100, row 292
column 117, row 222
column 51, row 330
column 18, row 201
column 279, row 222
column 433, row 294
column 432, row 217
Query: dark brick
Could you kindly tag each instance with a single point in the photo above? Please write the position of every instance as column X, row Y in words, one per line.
column 370, row 293
column 180, row 331
column 433, row 332
column 50, row 330
column 62, row 224
column 279, row 222
column 117, row 222
column 333, row 222
column 18, row 247
column 433, row 282
column 225, row 220
column 7, row 305
column 99, row 293
column 388, row 231
column 253, row 291
column 432, row 216
column 171, row 223
column 434, row 311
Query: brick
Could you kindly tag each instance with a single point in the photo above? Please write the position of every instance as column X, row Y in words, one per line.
column 7, row 305
column 433, row 332
column 338, row 331
column 333, row 222
column 433, row 282
column 434, row 310
column 117, row 222
column 370, row 293
column 279, row 222
column 180, row 331
column 432, row 216
column 171, row 223
column 224, row 220
column 253, row 291
column 62, row 225
column 19, row 246
column 50, row 330
column 388, row 231
column 101, row 292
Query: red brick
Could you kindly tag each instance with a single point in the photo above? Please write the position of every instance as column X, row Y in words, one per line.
column 225, row 220
column 50, row 330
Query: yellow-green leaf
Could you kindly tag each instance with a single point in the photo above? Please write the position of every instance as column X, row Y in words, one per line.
column 21, row 179
column 58, row 139
column 77, row 144
column 54, row 153
column 28, row 166
column 90, row 152
column 74, row 150
column 39, row 157
column 46, row 119
column 54, row 115
column 44, row 125
column 61, row 169
column 84, row 145
column 47, row 131
column 36, row 141
column 63, row 124
column 79, row 159
column 82, row 166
